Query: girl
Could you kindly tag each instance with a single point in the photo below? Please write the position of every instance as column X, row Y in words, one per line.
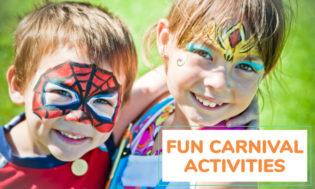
column 216, row 52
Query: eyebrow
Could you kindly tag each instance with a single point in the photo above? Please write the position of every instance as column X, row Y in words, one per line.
column 193, row 46
column 249, row 57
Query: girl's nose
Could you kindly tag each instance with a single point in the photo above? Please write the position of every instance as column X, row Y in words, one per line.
column 217, row 80
column 78, row 116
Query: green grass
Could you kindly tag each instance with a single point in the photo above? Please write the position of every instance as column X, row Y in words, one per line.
column 293, row 104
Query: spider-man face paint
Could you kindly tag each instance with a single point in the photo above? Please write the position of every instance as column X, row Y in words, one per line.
column 80, row 92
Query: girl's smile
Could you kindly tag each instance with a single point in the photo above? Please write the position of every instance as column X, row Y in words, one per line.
column 208, row 102
column 208, row 87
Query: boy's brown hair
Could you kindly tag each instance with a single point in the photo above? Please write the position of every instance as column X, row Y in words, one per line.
column 89, row 29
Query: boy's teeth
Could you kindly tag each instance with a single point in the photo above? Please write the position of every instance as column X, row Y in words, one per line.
column 207, row 103
column 71, row 136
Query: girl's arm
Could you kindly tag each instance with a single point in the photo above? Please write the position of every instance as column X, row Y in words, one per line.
column 145, row 90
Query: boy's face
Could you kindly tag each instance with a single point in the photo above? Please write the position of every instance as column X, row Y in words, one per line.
column 71, row 105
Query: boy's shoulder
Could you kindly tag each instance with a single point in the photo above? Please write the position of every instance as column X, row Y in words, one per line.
column 41, row 170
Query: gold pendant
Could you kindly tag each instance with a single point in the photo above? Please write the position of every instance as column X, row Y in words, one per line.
column 79, row 167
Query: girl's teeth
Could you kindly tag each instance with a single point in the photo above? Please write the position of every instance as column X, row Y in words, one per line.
column 207, row 103
column 71, row 136
column 212, row 105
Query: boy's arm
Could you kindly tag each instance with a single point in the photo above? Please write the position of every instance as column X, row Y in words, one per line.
column 144, row 91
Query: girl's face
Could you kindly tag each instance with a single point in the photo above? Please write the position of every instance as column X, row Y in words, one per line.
column 211, row 80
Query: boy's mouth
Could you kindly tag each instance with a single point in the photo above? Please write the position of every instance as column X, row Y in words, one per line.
column 207, row 102
column 71, row 138
column 69, row 135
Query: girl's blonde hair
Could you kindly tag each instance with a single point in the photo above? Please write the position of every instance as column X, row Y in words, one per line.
column 264, row 21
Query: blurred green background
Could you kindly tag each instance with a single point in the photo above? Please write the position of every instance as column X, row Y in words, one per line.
column 291, row 101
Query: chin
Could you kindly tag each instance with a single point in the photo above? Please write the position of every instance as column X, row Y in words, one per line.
column 65, row 156
column 204, row 122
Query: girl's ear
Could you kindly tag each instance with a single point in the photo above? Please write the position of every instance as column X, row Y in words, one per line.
column 15, row 93
column 163, row 37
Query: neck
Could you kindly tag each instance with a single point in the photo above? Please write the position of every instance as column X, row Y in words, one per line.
column 20, row 140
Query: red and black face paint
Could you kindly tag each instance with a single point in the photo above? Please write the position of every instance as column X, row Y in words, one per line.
column 80, row 92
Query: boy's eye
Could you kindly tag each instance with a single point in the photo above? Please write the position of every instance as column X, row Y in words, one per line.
column 101, row 101
column 249, row 66
column 104, row 105
column 200, row 50
column 61, row 92
column 56, row 94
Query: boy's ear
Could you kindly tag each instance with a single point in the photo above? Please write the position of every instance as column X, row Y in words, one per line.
column 163, row 36
column 15, row 93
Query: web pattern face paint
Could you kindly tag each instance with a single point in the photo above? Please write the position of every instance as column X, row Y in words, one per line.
column 231, row 42
column 80, row 92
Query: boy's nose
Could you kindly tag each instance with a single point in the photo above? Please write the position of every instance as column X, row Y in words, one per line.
column 78, row 116
column 217, row 80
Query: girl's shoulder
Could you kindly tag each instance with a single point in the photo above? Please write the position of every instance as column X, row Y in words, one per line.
column 154, row 111
column 146, row 128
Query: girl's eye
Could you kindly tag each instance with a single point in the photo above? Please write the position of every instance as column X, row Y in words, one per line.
column 61, row 92
column 245, row 67
column 203, row 53
column 200, row 50
column 249, row 66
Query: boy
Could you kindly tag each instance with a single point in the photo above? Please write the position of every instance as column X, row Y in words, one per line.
column 74, row 65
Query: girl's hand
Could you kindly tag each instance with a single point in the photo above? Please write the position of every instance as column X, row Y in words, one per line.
column 248, row 117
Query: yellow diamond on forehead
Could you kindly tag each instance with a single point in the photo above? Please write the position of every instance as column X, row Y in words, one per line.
column 231, row 43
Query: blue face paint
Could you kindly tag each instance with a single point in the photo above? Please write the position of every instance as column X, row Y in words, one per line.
column 257, row 67
column 194, row 47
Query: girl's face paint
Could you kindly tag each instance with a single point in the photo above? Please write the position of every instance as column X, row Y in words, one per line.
column 203, row 51
column 208, row 54
column 251, row 66
column 231, row 43
column 80, row 92
column 213, row 85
